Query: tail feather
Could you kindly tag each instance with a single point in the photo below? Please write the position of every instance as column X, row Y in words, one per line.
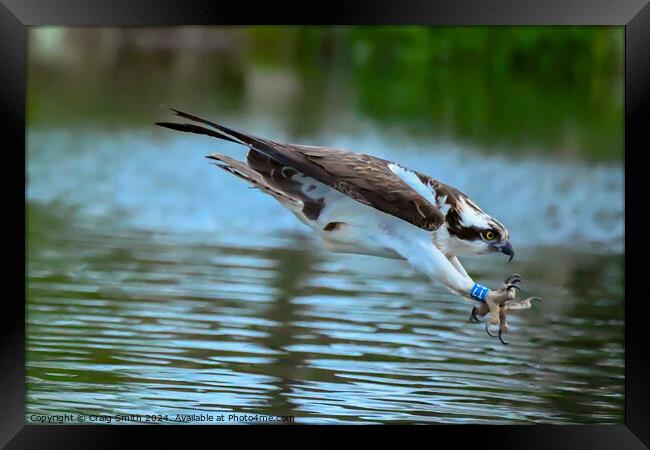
column 264, row 146
column 195, row 129
column 241, row 170
column 219, row 131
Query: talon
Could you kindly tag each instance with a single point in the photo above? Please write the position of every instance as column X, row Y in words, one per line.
column 503, row 341
column 514, row 279
column 503, row 326
column 509, row 286
column 472, row 316
column 487, row 330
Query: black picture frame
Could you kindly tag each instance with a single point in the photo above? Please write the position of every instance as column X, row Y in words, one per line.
column 17, row 15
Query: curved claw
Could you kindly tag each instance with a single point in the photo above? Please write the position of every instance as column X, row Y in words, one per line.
column 487, row 330
column 503, row 341
column 514, row 279
column 512, row 286
column 472, row 316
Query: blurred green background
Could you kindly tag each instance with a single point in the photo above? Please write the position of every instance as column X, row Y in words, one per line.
column 550, row 90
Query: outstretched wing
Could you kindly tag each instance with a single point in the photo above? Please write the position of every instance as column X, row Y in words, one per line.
column 372, row 181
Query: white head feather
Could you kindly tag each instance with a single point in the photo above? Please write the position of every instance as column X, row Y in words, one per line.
column 472, row 216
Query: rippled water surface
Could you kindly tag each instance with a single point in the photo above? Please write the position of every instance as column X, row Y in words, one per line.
column 157, row 285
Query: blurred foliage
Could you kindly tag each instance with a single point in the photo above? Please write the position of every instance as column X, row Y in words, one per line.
column 554, row 90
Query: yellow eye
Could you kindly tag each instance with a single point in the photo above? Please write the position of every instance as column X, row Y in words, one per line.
column 489, row 235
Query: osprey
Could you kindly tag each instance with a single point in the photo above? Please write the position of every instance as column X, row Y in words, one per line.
column 367, row 205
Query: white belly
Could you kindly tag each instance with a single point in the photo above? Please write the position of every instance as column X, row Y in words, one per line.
column 362, row 228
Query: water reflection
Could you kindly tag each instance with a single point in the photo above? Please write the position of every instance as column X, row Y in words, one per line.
column 123, row 322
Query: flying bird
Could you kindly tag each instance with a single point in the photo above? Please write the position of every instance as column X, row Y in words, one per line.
column 362, row 204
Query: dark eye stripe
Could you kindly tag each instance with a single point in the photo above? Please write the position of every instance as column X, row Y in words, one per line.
column 456, row 228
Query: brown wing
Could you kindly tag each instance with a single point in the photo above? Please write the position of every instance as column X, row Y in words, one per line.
column 362, row 177
column 369, row 180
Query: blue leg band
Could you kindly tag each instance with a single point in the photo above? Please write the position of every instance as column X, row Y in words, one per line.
column 479, row 292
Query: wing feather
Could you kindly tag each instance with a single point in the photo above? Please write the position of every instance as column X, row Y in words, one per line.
column 364, row 178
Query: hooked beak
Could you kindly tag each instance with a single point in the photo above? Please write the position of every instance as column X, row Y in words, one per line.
column 505, row 248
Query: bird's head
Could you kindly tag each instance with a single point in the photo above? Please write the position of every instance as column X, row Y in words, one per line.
column 472, row 231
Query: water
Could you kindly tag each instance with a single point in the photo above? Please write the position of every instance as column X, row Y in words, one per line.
column 157, row 285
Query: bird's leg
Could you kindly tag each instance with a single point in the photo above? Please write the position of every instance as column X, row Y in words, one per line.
column 459, row 267
column 495, row 300
column 482, row 308
column 512, row 306
column 431, row 261
column 502, row 302
column 497, row 304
